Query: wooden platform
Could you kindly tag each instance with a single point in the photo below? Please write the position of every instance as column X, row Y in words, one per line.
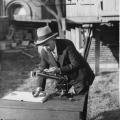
column 53, row 109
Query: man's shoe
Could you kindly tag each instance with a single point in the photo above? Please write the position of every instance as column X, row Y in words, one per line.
column 37, row 92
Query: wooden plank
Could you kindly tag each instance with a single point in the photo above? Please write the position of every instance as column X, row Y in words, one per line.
column 109, row 10
column 77, row 38
column 74, row 8
column 78, row 7
column 94, row 8
column 68, row 35
column 85, row 107
column 113, row 14
column 110, row 7
column 107, row 19
column 117, row 5
column 53, row 104
column 83, row 20
column 73, row 38
column 81, row 38
column 53, row 109
column 97, row 51
column 69, row 9
column 77, row 115
column 85, row 8
column 85, row 1
column 25, row 114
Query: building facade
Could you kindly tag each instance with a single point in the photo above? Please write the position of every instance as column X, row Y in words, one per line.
column 80, row 17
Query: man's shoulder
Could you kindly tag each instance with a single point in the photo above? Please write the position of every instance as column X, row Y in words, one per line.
column 64, row 41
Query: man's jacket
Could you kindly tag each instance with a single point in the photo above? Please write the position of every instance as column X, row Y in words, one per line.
column 70, row 62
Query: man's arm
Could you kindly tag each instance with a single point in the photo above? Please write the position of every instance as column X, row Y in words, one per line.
column 75, row 61
column 43, row 63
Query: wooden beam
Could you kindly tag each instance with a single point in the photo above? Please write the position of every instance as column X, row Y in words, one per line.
column 77, row 30
column 82, row 20
column 63, row 24
column 97, row 52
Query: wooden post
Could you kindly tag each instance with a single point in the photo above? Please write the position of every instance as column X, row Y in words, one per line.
column 81, row 37
column 68, row 35
column 77, row 38
column 73, row 36
column 63, row 24
column 63, row 27
column 97, row 51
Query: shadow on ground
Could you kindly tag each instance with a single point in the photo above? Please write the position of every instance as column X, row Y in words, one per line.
column 108, row 115
column 15, row 70
column 11, row 80
column 107, row 72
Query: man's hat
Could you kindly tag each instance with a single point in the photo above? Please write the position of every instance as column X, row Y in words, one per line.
column 44, row 34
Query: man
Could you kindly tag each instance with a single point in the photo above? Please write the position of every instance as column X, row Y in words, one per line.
column 62, row 56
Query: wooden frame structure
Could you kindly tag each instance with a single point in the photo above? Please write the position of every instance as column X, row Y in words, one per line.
column 52, row 109
column 91, row 12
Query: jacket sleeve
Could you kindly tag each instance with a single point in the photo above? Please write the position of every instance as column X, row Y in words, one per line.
column 43, row 63
column 74, row 60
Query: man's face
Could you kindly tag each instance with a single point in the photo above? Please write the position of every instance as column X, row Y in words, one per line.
column 49, row 45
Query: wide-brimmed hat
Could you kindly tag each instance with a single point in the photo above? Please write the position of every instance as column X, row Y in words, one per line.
column 44, row 34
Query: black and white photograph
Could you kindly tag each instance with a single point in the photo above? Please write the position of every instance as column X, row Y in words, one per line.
column 59, row 60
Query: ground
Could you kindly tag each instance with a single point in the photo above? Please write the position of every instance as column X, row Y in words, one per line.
column 103, row 102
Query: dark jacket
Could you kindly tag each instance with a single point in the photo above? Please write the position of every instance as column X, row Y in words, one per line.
column 71, row 63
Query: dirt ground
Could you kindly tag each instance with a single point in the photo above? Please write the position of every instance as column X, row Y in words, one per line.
column 103, row 102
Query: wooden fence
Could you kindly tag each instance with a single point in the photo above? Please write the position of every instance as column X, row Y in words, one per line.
column 81, row 39
column 76, row 36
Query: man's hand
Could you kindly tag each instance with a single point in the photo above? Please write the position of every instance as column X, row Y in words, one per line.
column 54, row 70
column 35, row 72
column 72, row 90
column 57, row 71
